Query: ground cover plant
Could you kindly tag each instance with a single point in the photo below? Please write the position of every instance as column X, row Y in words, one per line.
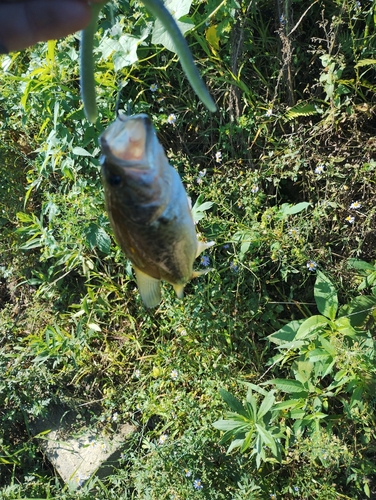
column 261, row 383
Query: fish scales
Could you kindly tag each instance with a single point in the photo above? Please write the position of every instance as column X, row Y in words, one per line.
column 148, row 207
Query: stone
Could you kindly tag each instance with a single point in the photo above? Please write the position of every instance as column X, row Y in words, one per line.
column 78, row 453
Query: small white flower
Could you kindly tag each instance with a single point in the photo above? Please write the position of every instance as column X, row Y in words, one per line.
column 311, row 265
column 197, row 484
column 319, row 169
column 171, row 118
column 254, row 189
column 350, row 219
column 174, row 374
column 137, row 373
column 115, row 416
column 162, row 439
column 153, row 87
column 218, row 157
column 355, row 205
column 269, row 112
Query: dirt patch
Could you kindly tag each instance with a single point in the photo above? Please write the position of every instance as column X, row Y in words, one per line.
column 4, row 293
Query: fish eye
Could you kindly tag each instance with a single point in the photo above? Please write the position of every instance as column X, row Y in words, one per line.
column 114, row 180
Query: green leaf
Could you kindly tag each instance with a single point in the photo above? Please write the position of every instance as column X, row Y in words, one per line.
column 288, row 404
column 236, row 443
column 178, row 9
column 267, row 438
column 233, row 402
column 303, row 370
column 318, row 355
column 247, row 441
column 286, row 333
column 365, row 62
column 302, row 109
column 361, row 265
column 80, row 151
column 97, row 237
column 325, row 296
column 328, row 346
column 127, row 53
column 343, row 325
column 289, row 386
column 359, row 309
column 311, row 325
column 287, row 209
column 227, row 425
column 199, row 208
column 255, row 387
column 266, row 405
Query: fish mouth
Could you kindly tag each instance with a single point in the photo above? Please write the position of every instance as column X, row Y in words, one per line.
column 126, row 140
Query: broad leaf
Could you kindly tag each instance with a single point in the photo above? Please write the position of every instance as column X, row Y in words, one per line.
column 178, row 9
column 325, row 296
column 359, row 309
column 287, row 209
column 98, row 238
column 288, row 385
column 286, row 333
column 311, row 325
column 126, row 55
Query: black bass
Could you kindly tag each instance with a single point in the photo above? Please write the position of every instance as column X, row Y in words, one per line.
column 148, row 207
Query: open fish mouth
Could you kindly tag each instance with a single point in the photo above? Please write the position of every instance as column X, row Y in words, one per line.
column 126, row 140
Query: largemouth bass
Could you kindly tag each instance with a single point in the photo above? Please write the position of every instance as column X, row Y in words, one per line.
column 148, row 208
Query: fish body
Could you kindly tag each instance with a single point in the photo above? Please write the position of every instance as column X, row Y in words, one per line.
column 148, row 207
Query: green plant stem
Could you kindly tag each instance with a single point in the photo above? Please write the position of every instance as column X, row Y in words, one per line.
column 87, row 64
column 159, row 11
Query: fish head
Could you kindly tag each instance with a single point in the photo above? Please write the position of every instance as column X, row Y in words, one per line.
column 134, row 168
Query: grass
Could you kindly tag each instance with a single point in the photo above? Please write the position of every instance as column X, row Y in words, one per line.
column 73, row 327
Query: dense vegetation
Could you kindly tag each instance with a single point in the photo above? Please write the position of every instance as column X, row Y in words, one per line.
column 276, row 345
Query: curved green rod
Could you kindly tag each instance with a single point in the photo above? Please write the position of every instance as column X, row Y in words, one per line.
column 159, row 11
column 87, row 63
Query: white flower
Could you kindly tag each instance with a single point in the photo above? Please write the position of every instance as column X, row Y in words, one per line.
column 171, row 118
column 153, row 87
column 162, row 439
column 218, row 157
column 319, row 169
column 354, row 205
column 311, row 265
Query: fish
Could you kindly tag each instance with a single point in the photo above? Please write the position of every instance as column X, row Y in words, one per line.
column 148, row 208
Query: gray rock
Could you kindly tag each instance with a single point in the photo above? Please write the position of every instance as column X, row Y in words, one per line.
column 78, row 453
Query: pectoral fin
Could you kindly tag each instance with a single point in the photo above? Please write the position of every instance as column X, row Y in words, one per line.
column 150, row 288
column 196, row 274
column 201, row 246
column 179, row 290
